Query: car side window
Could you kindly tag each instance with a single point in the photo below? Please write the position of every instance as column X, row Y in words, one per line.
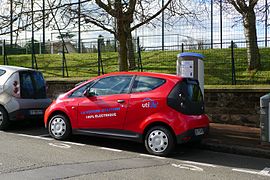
column 144, row 83
column 2, row 72
column 79, row 92
column 111, row 85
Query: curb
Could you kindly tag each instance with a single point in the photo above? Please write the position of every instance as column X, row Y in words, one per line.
column 240, row 150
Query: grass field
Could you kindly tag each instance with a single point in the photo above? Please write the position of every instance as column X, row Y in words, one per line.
column 217, row 65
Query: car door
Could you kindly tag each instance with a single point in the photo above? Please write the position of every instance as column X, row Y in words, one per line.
column 107, row 106
column 145, row 99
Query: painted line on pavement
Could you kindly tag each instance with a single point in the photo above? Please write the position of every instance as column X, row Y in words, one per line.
column 152, row 156
column 264, row 172
column 36, row 137
column 44, row 135
column 60, row 145
column 201, row 164
column 47, row 139
column 73, row 143
column 110, row 149
column 188, row 167
column 245, row 171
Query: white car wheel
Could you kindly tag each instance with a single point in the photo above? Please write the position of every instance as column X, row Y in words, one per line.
column 59, row 127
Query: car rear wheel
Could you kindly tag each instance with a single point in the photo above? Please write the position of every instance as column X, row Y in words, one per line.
column 4, row 121
column 59, row 127
column 159, row 141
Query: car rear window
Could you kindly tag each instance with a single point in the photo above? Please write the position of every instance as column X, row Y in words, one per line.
column 32, row 85
column 2, row 72
column 186, row 97
column 194, row 93
column 145, row 83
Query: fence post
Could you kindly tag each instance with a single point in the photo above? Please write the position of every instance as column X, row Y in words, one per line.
column 233, row 64
column 100, row 65
column 64, row 61
column 212, row 19
column 182, row 49
column 140, row 67
column 5, row 53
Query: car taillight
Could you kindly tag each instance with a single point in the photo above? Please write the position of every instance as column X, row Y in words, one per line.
column 16, row 89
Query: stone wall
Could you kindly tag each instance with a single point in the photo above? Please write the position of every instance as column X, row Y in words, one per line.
column 234, row 106
column 229, row 106
column 55, row 88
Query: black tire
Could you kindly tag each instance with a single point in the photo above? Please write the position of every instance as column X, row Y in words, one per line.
column 4, row 120
column 159, row 141
column 59, row 127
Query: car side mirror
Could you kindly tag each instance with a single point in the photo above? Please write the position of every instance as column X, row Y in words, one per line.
column 87, row 93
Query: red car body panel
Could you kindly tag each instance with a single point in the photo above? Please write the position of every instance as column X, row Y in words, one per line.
column 132, row 112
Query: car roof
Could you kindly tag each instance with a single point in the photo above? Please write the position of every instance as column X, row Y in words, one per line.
column 152, row 74
column 9, row 70
column 14, row 68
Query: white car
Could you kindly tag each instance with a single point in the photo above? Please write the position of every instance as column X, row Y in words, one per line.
column 22, row 94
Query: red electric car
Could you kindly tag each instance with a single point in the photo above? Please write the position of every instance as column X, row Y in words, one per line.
column 157, row 109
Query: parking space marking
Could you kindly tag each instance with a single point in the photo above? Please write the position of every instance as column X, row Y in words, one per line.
column 245, row 171
column 60, row 145
column 73, row 143
column 47, row 139
column 188, row 167
column 44, row 135
column 264, row 172
column 152, row 156
column 200, row 164
column 36, row 137
column 110, row 149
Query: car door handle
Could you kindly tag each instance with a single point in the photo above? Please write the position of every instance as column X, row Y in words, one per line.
column 120, row 101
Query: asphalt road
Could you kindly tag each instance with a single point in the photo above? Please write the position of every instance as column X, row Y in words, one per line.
column 27, row 152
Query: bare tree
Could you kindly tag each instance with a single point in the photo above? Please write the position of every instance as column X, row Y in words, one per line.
column 121, row 17
column 247, row 10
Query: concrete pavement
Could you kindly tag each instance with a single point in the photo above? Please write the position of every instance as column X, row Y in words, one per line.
column 236, row 139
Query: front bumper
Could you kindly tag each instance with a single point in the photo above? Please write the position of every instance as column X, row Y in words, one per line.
column 191, row 135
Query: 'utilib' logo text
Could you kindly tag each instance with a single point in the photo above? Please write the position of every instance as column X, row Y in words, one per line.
column 149, row 103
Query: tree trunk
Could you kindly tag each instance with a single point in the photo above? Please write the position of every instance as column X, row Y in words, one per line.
column 131, row 56
column 122, row 51
column 253, row 55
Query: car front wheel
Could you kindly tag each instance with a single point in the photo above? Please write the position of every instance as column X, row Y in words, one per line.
column 159, row 141
column 59, row 127
column 4, row 121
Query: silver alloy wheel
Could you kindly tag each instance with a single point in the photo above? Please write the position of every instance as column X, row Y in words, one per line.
column 1, row 117
column 58, row 127
column 158, row 141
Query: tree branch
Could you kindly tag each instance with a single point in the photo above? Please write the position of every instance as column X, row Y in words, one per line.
column 89, row 20
column 131, row 8
column 236, row 6
column 152, row 17
column 106, row 8
column 252, row 3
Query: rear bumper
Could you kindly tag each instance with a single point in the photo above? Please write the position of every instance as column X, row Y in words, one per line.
column 26, row 114
column 190, row 135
